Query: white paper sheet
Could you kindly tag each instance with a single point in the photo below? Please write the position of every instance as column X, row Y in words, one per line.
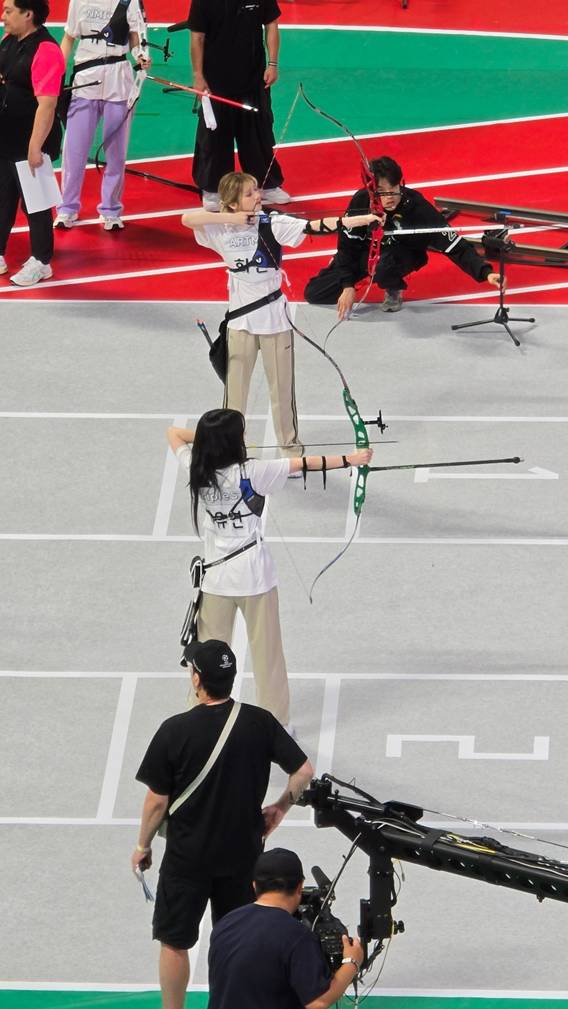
column 40, row 190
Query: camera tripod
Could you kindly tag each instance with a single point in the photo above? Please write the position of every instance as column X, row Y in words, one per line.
column 501, row 244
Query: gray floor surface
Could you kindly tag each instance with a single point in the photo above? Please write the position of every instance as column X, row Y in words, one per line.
column 446, row 619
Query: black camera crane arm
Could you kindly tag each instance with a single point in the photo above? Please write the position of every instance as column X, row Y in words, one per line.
column 392, row 830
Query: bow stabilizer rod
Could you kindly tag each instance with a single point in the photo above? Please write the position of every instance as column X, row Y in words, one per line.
column 438, row 465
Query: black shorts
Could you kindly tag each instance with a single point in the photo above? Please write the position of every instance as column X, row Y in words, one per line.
column 181, row 902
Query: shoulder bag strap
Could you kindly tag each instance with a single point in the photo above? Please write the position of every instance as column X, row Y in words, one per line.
column 212, row 759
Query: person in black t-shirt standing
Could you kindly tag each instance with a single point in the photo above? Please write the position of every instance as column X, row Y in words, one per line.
column 216, row 834
column 228, row 58
column 261, row 956
column 403, row 209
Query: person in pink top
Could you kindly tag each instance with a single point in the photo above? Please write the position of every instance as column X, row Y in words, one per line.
column 31, row 75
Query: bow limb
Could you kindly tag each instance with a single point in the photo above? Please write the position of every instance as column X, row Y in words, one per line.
column 361, row 441
column 375, row 205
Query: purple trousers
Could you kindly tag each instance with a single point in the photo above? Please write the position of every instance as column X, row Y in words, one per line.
column 83, row 118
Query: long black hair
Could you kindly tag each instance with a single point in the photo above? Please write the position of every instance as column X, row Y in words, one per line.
column 219, row 442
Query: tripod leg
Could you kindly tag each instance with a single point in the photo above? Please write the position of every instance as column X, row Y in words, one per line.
column 512, row 335
column 468, row 325
column 513, row 318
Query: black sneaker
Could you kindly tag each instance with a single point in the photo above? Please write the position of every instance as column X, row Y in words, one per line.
column 392, row 301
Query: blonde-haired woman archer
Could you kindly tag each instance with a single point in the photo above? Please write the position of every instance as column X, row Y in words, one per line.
column 250, row 243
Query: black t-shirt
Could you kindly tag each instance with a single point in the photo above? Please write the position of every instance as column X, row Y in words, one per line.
column 234, row 59
column 219, row 828
column 261, row 956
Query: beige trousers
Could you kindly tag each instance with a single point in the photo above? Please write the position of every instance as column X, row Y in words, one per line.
column 216, row 619
column 277, row 350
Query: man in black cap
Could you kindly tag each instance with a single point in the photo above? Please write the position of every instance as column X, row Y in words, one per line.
column 260, row 955
column 208, row 768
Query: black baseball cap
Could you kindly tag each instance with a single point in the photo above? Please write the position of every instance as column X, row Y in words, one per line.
column 279, row 865
column 213, row 659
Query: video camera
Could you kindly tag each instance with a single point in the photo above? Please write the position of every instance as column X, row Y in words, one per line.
column 314, row 912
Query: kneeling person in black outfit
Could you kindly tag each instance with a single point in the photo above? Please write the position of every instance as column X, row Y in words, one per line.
column 260, row 955
column 403, row 209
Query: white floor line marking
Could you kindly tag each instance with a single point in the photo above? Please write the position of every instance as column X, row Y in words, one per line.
column 159, row 272
column 239, row 645
column 332, row 195
column 393, row 29
column 466, row 747
column 167, row 487
column 453, row 298
column 403, row 30
column 288, row 822
column 337, row 417
column 148, row 216
column 328, row 724
column 320, row 253
column 366, row 136
column 81, row 674
column 452, row 993
column 117, row 747
column 542, row 541
column 536, row 473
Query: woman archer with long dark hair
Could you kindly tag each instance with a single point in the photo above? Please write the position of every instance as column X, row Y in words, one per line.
column 239, row 570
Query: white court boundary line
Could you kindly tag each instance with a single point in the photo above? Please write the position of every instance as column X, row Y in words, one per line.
column 339, row 417
column 196, row 267
column 429, row 184
column 83, row 986
column 485, row 541
column 117, row 747
column 177, row 674
column 368, row 136
column 167, row 486
column 160, row 272
column 393, row 29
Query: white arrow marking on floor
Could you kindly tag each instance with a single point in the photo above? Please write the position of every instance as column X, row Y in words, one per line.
column 536, row 473
column 466, row 747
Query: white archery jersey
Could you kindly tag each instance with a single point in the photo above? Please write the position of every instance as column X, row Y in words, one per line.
column 87, row 17
column 239, row 246
column 229, row 523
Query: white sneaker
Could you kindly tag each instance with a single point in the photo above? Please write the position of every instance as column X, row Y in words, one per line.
column 210, row 201
column 31, row 273
column 276, row 195
column 111, row 223
column 3, row 265
column 65, row 220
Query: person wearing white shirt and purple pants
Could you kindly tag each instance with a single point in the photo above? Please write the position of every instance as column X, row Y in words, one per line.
column 104, row 80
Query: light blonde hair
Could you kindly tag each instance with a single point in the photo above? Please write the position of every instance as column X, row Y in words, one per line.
column 231, row 188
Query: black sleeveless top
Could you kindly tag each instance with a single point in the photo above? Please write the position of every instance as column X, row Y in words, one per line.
column 18, row 104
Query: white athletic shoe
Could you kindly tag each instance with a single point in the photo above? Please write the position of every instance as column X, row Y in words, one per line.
column 111, row 223
column 31, row 273
column 3, row 265
column 276, row 195
column 210, row 201
column 65, row 221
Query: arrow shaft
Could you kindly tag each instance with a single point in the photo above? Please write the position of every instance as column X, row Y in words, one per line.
column 202, row 94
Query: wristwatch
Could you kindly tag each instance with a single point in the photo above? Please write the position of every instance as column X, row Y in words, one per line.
column 349, row 959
